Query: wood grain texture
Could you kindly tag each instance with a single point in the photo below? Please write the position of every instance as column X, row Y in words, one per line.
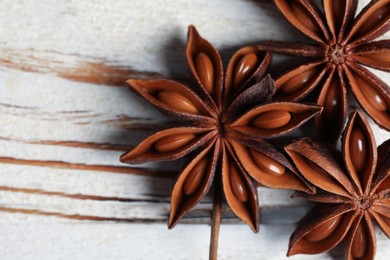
column 66, row 116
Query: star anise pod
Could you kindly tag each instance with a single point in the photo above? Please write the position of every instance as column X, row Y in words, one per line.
column 223, row 120
column 343, row 44
column 352, row 192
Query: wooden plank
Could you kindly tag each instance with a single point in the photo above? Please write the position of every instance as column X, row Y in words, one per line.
column 122, row 241
column 66, row 116
column 125, row 196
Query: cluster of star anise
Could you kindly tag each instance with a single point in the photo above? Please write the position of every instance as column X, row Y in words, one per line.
column 225, row 118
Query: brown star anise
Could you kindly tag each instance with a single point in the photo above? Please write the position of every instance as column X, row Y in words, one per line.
column 352, row 193
column 224, row 119
column 344, row 44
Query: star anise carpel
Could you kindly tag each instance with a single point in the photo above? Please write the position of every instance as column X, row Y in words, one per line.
column 352, row 193
column 223, row 120
column 343, row 45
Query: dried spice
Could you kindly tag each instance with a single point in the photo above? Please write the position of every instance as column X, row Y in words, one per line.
column 343, row 44
column 352, row 192
column 223, row 120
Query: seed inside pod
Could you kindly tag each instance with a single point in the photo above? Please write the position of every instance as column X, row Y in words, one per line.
column 324, row 230
column 379, row 57
column 205, row 68
column 378, row 18
column 332, row 103
column 359, row 243
column 304, row 16
column 272, row 119
column 173, row 142
column 296, row 82
column 339, row 11
column 237, row 184
column 177, row 101
column 372, row 95
column 266, row 163
column 317, row 170
column 195, row 177
column 244, row 69
column 358, row 148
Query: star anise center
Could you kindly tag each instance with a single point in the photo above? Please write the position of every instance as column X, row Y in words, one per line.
column 365, row 202
column 336, row 54
column 221, row 128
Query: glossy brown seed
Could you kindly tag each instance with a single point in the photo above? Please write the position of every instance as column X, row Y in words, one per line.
column 244, row 69
column 376, row 100
column 195, row 177
column 358, row 148
column 382, row 57
column 298, row 82
column 359, row 243
column 304, row 16
column 372, row 95
column 173, row 142
column 379, row 17
column 324, row 230
column 338, row 10
column 315, row 169
column 205, row 68
column 332, row 103
column 267, row 164
column 272, row 119
column 177, row 101
column 237, row 184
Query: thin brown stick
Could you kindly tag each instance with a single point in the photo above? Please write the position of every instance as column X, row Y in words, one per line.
column 215, row 223
column 89, row 167
column 61, row 215
column 65, row 195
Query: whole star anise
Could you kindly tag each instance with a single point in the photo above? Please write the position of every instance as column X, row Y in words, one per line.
column 223, row 120
column 343, row 44
column 352, row 194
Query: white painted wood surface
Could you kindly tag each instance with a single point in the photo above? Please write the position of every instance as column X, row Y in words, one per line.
column 65, row 117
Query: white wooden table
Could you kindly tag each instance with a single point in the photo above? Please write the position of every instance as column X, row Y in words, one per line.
column 65, row 117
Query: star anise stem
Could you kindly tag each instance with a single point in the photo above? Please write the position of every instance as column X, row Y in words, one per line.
column 215, row 222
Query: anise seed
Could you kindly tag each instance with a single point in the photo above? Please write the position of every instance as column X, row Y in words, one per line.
column 205, row 68
column 338, row 9
column 378, row 16
column 244, row 68
column 373, row 97
column 301, row 12
column 332, row 105
column 324, row 230
column 173, row 142
column 297, row 82
column 359, row 243
column 266, row 163
column 195, row 177
column 358, row 148
column 237, row 184
column 272, row 119
column 315, row 169
column 380, row 57
column 177, row 101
